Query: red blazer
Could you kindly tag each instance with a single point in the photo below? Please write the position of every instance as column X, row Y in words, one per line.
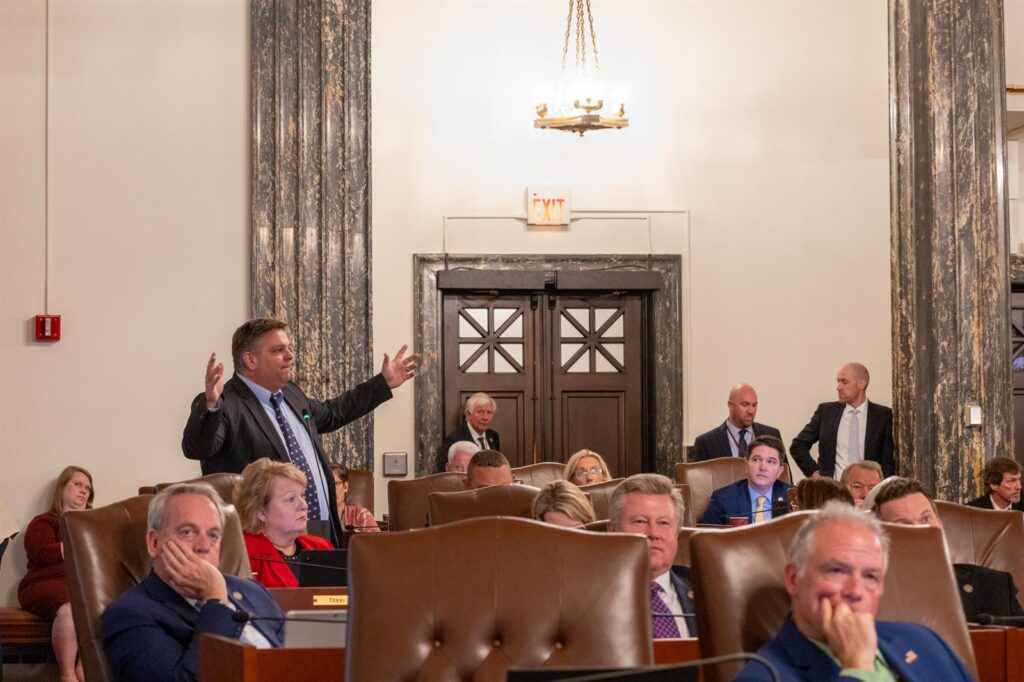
column 271, row 573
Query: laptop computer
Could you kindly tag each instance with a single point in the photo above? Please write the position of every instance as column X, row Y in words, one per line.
column 323, row 568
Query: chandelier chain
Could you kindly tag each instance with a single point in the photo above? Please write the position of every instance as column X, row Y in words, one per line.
column 581, row 40
column 593, row 38
column 568, row 28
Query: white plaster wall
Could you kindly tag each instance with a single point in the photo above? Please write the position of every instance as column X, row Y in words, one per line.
column 766, row 120
column 149, row 254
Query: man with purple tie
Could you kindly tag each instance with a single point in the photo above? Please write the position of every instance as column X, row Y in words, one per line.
column 650, row 505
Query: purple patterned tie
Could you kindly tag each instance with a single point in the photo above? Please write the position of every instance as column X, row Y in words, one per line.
column 663, row 624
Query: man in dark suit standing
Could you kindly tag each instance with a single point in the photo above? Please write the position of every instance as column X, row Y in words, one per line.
column 982, row 590
column 731, row 439
column 847, row 431
column 649, row 504
column 1001, row 477
column 758, row 497
column 476, row 427
column 260, row 412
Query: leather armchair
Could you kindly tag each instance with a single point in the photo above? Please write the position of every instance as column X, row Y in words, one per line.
column 985, row 537
column 708, row 476
column 360, row 488
column 510, row 499
column 477, row 598
column 540, row 474
column 224, row 483
column 739, row 571
column 105, row 554
column 600, row 495
column 407, row 499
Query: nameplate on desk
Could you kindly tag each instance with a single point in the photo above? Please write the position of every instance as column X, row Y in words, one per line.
column 330, row 600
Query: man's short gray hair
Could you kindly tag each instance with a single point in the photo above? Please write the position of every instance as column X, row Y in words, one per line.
column 158, row 505
column 646, row 484
column 462, row 446
column 834, row 511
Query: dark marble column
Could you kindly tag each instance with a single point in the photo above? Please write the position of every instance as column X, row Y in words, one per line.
column 950, row 287
column 311, row 193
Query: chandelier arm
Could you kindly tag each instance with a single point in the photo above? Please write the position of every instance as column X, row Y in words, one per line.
column 593, row 38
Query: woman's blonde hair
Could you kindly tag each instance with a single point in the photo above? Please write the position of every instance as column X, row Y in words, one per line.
column 57, row 503
column 574, row 461
column 257, row 485
column 565, row 497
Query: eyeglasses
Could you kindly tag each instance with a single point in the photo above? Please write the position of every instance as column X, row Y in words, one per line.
column 594, row 471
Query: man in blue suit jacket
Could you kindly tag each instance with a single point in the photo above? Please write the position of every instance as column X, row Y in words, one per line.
column 835, row 576
column 760, row 490
column 151, row 632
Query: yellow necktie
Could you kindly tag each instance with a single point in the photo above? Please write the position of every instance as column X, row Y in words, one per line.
column 759, row 512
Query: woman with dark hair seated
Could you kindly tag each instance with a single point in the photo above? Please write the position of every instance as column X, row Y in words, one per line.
column 272, row 507
column 813, row 493
column 352, row 516
column 44, row 589
column 560, row 503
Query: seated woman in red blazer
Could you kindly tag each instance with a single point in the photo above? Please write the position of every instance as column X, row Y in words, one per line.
column 272, row 508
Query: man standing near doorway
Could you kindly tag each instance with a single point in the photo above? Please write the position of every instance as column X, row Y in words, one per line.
column 476, row 428
column 734, row 435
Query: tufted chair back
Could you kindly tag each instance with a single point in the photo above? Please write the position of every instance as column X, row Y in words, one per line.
column 105, row 554
column 708, row 476
column 407, row 499
column 540, row 474
column 724, row 583
column 476, row 598
column 600, row 495
column 224, row 483
column 985, row 537
column 510, row 499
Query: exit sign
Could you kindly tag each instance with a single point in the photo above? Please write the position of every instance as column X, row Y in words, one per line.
column 548, row 205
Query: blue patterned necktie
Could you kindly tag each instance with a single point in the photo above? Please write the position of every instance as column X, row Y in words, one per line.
column 663, row 624
column 296, row 456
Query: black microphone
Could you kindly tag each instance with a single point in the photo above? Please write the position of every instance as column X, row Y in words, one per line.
column 306, row 416
column 989, row 619
column 349, row 528
column 246, row 617
column 300, row 563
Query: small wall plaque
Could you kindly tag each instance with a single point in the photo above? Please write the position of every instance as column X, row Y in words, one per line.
column 396, row 464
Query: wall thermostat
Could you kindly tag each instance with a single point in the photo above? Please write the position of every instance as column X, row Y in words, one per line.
column 396, row 464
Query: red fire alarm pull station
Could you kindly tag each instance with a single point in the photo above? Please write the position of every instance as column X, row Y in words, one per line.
column 47, row 327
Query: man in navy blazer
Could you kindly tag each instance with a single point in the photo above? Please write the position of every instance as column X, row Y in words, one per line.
column 835, row 576
column 758, row 497
column 651, row 505
column 476, row 426
column 234, row 423
column 732, row 437
column 1001, row 478
column 151, row 632
column 830, row 429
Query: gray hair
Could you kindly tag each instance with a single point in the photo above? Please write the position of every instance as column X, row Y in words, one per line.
column 462, row 446
column 478, row 399
column 158, row 505
column 865, row 464
column 646, row 484
column 834, row 511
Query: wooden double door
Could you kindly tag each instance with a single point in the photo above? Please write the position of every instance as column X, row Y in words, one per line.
column 566, row 370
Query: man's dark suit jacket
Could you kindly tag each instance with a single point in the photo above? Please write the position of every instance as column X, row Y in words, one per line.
column 823, row 429
column 462, row 433
column 734, row 500
column 241, row 432
column 715, row 443
column 985, row 502
column 151, row 633
column 798, row 658
column 680, row 576
column 984, row 590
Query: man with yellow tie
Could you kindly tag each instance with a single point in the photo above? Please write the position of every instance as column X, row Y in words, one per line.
column 760, row 496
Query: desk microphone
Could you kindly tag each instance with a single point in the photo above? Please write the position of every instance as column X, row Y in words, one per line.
column 989, row 619
column 349, row 528
column 299, row 563
column 246, row 617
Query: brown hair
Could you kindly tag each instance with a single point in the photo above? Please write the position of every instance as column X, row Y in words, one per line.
column 342, row 471
column 57, row 502
column 771, row 442
column 246, row 337
column 898, row 487
column 256, row 487
column 813, row 493
column 486, row 458
column 996, row 468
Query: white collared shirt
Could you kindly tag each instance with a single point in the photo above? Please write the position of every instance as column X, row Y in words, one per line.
column 671, row 599
column 478, row 436
column 843, row 436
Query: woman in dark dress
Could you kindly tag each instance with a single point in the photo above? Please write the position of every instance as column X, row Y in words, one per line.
column 44, row 589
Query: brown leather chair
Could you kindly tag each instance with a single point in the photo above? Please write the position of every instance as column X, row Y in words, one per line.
column 540, row 474
column 518, row 595
column 223, row 483
column 724, row 582
column 510, row 499
column 708, row 476
column 105, row 554
column 984, row 537
column 407, row 499
column 600, row 494
column 360, row 488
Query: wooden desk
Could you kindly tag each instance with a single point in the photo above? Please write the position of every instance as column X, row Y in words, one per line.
column 298, row 598
column 222, row 659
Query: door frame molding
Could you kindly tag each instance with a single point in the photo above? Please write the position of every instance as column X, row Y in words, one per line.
column 665, row 386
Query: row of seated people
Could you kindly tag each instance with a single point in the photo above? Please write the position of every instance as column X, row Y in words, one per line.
column 185, row 595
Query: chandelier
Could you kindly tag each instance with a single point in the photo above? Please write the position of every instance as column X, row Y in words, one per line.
column 580, row 93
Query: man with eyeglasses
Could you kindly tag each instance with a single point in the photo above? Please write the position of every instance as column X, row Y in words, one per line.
column 760, row 496
column 860, row 478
